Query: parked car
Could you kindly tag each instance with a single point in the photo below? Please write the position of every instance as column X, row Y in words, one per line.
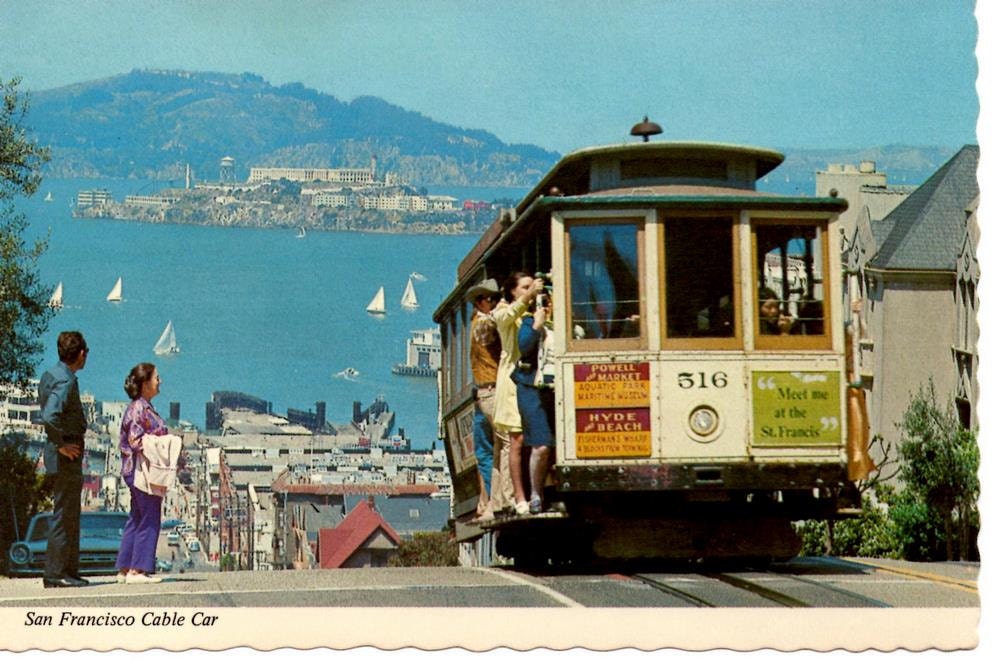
column 100, row 539
column 164, row 565
column 173, row 539
column 194, row 546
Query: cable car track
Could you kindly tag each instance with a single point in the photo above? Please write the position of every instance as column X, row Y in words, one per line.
column 764, row 591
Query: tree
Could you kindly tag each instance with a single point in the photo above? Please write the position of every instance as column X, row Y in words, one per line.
column 940, row 464
column 24, row 312
column 24, row 492
column 427, row 549
column 932, row 515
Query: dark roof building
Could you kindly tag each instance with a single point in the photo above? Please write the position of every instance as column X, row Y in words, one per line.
column 912, row 291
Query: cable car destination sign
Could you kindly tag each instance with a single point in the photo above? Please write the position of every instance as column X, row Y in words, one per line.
column 612, row 410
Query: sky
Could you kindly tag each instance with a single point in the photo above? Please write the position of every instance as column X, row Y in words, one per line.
column 561, row 74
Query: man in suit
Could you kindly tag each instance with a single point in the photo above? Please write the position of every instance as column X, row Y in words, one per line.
column 65, row 425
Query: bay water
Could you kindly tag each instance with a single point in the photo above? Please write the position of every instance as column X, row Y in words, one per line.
column 255, row 310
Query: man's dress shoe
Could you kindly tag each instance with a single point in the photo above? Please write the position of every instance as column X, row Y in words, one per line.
column 64, row 582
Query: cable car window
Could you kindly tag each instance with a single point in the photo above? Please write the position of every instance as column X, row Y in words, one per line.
column 604, row 281
column 699, row 277
column 790, row 286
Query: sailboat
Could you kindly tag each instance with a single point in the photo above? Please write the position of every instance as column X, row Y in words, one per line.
column 48, row 197
column 167, row 344
column 377, row 306
column 115, row 295
column 409, row 300
column 302, row 233
column 55, row 300
column 419, row 277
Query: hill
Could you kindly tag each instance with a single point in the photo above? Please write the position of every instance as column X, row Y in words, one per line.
column 150, row 123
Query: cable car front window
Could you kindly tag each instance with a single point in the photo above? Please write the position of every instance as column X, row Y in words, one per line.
column 699, row 272
column 604, row 281
column 790, row 293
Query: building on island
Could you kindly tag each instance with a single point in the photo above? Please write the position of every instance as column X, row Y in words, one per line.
column 88, row 198
column 346, row 176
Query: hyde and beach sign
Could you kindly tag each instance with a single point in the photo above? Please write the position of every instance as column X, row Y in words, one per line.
column 612, row 410
column 792, row 408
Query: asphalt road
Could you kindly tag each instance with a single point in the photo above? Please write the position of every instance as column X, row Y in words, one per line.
column 804, row 582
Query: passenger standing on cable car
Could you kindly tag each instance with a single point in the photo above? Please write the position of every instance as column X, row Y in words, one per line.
column 519, row 291
column 535, row 380
column 484, row 357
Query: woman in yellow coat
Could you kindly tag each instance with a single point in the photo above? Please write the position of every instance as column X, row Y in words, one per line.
column 519, row 291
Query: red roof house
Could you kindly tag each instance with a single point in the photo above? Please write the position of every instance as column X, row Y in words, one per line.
column 362, row 539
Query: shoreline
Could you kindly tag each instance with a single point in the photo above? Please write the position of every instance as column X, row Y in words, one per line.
column 381, row 224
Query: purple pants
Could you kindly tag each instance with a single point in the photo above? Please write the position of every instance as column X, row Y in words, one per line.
column 142, row 530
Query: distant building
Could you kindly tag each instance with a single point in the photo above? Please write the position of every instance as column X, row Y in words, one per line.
column 364, row 176
column 423, row 354
column 150, row 200
column 87, row 198
column 441, row 202
column 861, row 186
column 20, row 411
column 302, row 508
column 912, row 290
column 362, row 539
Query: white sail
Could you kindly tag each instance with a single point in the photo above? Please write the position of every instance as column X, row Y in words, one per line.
column 167, row 344
column 116, row 291
column 48, row 197
column 409, row 299
column 56, row 299
column 377, row 306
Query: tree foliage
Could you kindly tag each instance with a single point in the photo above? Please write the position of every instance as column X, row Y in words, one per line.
column 23, row 493
column 24, row 312
column 427, row 549
column 932, row 514
column 940, row 464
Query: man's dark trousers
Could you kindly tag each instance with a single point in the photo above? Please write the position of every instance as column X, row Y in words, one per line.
column 62, row 558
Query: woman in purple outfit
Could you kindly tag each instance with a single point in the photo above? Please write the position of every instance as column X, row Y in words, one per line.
column 137, row 555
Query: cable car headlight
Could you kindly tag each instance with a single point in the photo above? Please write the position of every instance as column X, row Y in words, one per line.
column 703, row 420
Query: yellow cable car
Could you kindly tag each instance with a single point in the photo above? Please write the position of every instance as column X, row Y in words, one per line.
column 700, row 395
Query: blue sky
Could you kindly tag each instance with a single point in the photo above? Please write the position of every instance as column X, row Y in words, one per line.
column 561, row 74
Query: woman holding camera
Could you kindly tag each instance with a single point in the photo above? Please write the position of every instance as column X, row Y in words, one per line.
column 535, row 380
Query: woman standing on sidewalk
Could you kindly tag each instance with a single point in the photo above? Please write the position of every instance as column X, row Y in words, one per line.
column 137, row 555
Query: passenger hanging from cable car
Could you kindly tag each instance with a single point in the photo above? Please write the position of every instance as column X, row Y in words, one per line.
column 535, row 380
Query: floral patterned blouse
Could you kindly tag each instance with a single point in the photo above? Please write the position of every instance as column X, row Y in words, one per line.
column 140, row 419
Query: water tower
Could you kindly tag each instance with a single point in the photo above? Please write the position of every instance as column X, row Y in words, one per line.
column 227, row 170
